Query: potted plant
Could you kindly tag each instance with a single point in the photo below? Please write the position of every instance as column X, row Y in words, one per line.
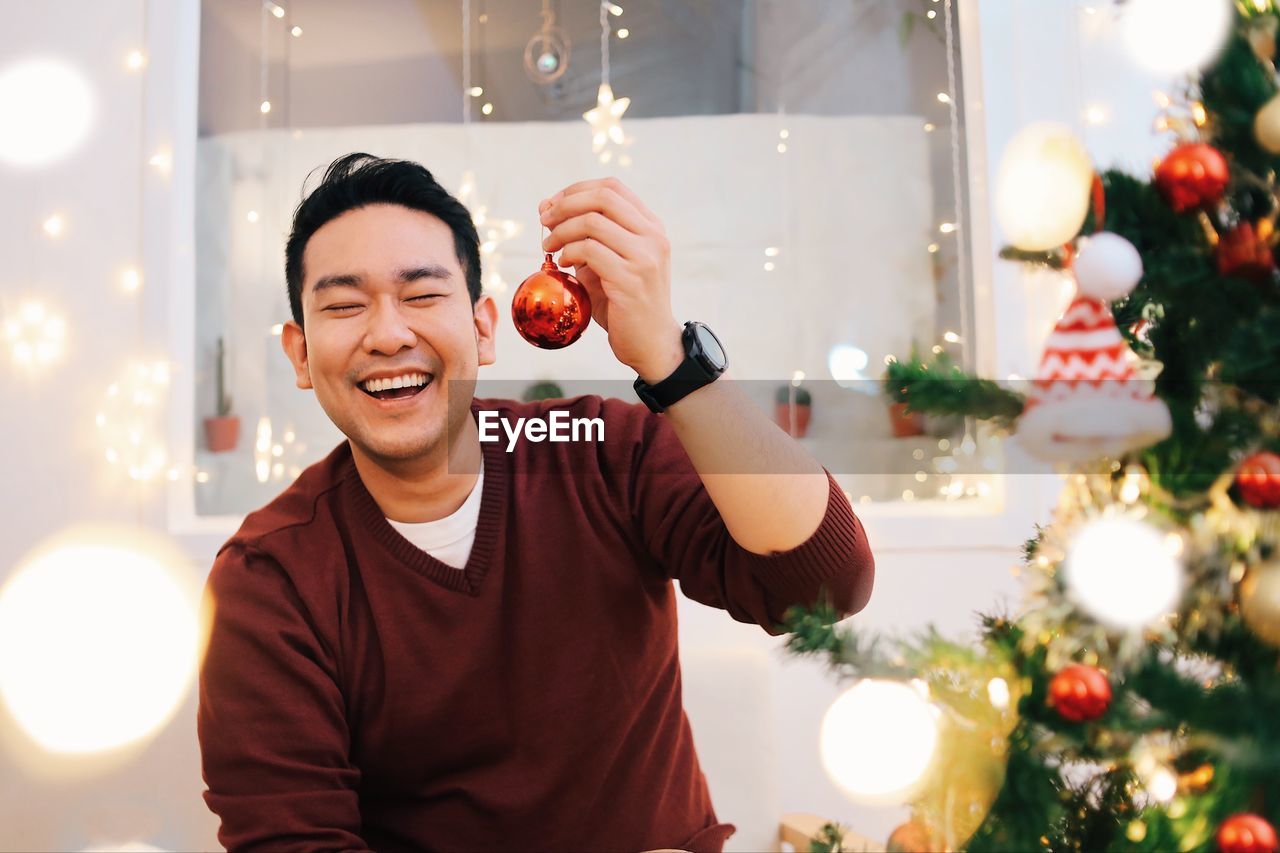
column 223, row 430
column 792, row 408
column 902, row 420
column 543, row 390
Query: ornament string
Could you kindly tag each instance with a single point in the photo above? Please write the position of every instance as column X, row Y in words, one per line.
column 604, row 42
column 962, row 218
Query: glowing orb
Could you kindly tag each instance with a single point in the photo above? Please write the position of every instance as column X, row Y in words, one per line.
column 878, row 741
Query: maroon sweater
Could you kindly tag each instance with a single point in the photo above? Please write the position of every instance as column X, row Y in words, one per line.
column 358, row 694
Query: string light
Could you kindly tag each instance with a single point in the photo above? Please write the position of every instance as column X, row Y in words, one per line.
column 54, row 225
column 944, row 98
column 262, row 449
column 477, row 91
column 998, row 693
column 35, row 336
column 623, row 33
column 615, row 9
column 264, row 107
column 130, row 422
column 252, row 216
column 929, row 127
column 487, row 108
column 1095, row 114
column 947, row 227
column 296, row 32
column 276, row 9
column 162, row 162
column 135, row 60
column 130, row 280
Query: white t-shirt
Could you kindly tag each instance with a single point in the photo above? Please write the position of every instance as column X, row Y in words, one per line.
column 448, row 539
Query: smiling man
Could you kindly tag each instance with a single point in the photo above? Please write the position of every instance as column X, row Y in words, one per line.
column 430, row 643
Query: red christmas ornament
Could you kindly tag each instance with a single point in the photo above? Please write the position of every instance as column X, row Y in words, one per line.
column 1191, row 176
column 912, row 837
column 1242, row 253
column 551, row 308
column 1247, row 833
column 1258, row 480
column 1080, row 693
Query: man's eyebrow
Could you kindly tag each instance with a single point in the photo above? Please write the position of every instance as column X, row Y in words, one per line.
column 404, row 276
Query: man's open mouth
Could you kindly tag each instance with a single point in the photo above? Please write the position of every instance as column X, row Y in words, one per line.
column 398, row 388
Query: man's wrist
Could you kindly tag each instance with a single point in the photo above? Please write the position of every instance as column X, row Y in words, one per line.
column 664, row 361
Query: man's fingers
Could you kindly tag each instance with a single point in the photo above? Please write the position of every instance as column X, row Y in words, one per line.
column 615, row 186
column 599, row 302
column 596, row 226
column 604, row 262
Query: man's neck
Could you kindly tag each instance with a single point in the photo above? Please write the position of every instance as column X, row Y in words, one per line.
column 429, row 488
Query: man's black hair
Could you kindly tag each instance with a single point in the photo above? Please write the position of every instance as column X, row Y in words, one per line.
column 356, row 180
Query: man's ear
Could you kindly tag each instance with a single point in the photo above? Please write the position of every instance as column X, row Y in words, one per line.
column 486, row 322
column 294, row 342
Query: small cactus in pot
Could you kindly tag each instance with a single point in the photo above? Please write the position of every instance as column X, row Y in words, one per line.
column 222, row 431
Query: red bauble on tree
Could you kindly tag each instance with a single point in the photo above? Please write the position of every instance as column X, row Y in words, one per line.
column 1080, row 693
column 912, row 837
column 551, row 308
column 1192, row 176
column 1247, row 833
column 1242, row 252
column 1258, row 480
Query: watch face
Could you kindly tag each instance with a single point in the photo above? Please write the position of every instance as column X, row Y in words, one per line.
column 710, row 346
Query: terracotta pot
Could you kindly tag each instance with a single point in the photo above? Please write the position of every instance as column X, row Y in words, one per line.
column 222, row 432
column 782, row 417
column 905, row 425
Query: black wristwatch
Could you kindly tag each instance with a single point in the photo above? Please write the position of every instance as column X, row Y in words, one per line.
column 704, row 361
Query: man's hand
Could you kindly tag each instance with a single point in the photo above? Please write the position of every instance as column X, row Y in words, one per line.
column 620, row 252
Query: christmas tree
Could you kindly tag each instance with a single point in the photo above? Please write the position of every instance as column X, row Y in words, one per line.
column 1133, row 703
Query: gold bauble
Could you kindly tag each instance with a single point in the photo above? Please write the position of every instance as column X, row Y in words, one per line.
column 1266, row 125
column 1260, row 601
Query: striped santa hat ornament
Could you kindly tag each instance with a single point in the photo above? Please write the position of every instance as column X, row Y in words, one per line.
column 1088, row 401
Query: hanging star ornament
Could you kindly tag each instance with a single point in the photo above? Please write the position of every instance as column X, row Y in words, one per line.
column 606, row 120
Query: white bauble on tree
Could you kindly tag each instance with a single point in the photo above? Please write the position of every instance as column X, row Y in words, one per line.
column 1108, row 266
column 1266, row 125
column 1042, row 190
column 1260, row 601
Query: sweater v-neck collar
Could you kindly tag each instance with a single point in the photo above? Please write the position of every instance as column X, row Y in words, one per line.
column 492, row 501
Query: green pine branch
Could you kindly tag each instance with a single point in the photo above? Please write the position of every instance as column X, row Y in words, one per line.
column 941, row 387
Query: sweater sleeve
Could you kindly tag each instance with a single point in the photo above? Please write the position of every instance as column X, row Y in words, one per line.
column 683, row 531
column 271, row 723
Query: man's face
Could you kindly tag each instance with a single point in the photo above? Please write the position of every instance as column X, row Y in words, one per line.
column 383, row 295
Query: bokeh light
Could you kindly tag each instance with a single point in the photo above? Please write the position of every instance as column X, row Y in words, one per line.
column 878, row 741
column 1123, row 572
column 48, row 110
column 99, row 640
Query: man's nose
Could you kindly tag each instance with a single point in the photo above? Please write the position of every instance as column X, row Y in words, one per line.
column 388, row 331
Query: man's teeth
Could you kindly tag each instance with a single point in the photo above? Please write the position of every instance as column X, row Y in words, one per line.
column 409, row 379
